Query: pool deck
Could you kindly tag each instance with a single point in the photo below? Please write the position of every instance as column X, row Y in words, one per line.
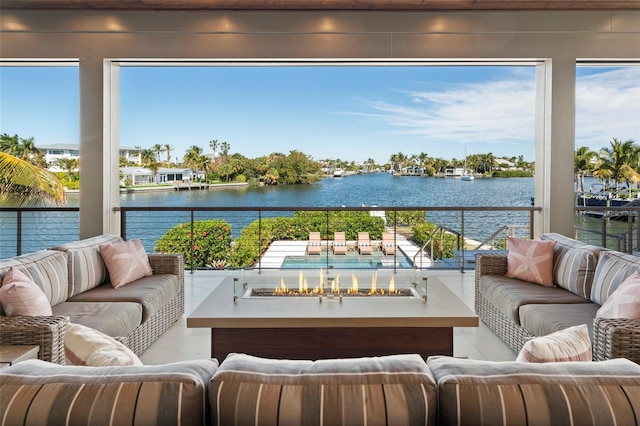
column 278, row 250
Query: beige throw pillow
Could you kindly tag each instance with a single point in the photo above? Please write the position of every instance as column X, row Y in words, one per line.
column 86, row 346
column 126, row 262
column 624, row 302
column 530, row 260
column 570, row 344
column 19, row 295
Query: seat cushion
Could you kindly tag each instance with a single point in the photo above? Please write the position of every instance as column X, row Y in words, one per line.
column 517, row 393
column 46, row 268
column 574, row 263
column 613, row 268
column 86, row 267
column 113, row 319
column 152, row 293
column 398, row 390
column 541, row 320
column 509, row 294
column 167, row 394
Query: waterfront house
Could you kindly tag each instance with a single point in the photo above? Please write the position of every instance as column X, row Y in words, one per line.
column 57, row 151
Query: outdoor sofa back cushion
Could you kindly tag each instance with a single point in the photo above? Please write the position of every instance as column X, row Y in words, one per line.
column 86, row 267
column 518, row 393
column 46, row 268
column 38, row 392
column 613, row 268
column 574, row 264
column 393, row 390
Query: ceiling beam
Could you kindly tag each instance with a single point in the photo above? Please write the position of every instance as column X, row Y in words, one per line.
column 320, row 4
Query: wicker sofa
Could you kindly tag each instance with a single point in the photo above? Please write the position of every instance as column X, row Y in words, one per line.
column 584, row 276
column 76, row 282
column 391, row 390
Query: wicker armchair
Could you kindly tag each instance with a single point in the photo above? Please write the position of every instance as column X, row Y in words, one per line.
column 46, row 332
column 612, row 338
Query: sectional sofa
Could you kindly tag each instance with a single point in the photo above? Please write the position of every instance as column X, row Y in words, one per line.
column 76, row 282
column 584, row 276
column 392, row 390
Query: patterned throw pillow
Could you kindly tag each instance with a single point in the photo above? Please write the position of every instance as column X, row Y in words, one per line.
column 126, row 262
column 570, row 344
column 530, row 260
column 19, row 295
column 86, row 346
column 624, row 302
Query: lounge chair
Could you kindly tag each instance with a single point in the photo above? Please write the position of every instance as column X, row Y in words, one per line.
column 339, row 243
column 388, row 243
column 364, row 245
column 314, row 246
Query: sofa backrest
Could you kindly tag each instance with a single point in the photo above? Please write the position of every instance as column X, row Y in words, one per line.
column 38, row 392
column 613, row 268
column 574, row 263
column 393, row 390
column 518, row 393
column 47, row 268
column 86, row 267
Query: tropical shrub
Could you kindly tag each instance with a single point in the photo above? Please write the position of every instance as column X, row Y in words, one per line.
column 406, row 217
column 443, row 244
column 211, row 242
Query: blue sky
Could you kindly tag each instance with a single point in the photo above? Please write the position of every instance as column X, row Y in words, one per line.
column 351, row 113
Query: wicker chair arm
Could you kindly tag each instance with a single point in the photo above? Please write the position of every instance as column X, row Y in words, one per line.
column 490, row 264
column 46, row 332
column 167, row 264
column 616, row 338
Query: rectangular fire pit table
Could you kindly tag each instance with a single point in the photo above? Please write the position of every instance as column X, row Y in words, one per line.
column 307, row 328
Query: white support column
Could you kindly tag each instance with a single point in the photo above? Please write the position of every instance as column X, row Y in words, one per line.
column 555, row 145
column 99, row 121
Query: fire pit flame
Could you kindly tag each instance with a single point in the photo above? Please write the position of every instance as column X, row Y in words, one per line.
column 333, row 289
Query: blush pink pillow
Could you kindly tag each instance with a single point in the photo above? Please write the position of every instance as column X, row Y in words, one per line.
column 530, row 260
column 86, row 346
column 624, row 302
column 126, row 262
column 19, row 295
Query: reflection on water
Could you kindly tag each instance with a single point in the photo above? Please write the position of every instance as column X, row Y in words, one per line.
column 46, row 229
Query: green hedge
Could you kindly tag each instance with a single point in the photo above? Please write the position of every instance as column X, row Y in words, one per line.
column 211, row 243
column 444, row 244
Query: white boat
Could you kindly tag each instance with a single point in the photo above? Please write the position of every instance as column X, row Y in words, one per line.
column 466, row 175
column 338, row 173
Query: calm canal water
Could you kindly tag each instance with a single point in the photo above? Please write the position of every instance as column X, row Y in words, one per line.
column 382, row 189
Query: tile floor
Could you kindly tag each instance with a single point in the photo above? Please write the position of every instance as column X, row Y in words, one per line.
column 182, row 343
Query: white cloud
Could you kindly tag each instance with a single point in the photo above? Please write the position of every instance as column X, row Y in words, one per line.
column 607, row 107
column 494, row 112
column 503, row 112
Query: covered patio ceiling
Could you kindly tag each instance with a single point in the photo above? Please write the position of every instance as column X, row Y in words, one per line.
column 320, row 4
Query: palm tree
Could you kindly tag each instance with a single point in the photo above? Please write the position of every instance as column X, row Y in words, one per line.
column 168, row 148
column 68, row 165
column 213, row 143
column 147, row 155
column 582, row 165
column 157, row 148
column 23, row 183
column 224, row 148
column 612, row 160
column 191, row 157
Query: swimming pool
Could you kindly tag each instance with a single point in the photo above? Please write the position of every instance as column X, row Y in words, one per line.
column 352, row 260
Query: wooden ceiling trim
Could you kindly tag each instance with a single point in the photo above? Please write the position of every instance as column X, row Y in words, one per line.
column 320, row 4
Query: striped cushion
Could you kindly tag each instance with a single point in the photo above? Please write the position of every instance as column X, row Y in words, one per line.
column 613, row 268
column 514, row 393
column 570, row 344
column 394, row 390
column 37, row 392
column 47, row 268
column 86, row 267
column 574, row 264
